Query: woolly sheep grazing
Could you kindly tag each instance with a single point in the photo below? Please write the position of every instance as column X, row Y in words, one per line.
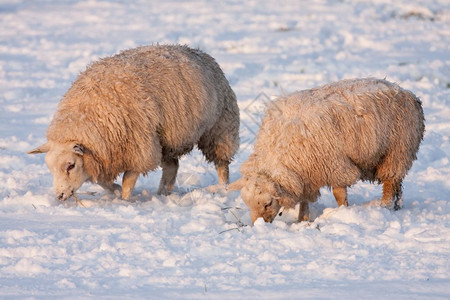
column 137, row 110
column 332, row 136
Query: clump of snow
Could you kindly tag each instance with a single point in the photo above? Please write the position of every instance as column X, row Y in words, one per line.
column 198, row 242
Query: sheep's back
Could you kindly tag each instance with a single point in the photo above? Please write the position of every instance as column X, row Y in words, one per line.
column 187, row 85
column 134, row 104
column 340, row 132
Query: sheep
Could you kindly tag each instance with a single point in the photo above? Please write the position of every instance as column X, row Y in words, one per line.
column 137, row 110
column 333, row 135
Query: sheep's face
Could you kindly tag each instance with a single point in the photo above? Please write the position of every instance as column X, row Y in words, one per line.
column 65, row 162
column 261, row 196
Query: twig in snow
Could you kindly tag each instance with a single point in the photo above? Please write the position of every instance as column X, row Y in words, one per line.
column 239, row 222
column 230, row 207
column 77, row 200
column 237, row 228
column 88, row 193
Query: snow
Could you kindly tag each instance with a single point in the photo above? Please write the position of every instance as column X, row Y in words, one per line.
column 195, row 244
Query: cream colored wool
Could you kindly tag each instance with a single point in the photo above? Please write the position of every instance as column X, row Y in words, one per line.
column 140, row 109
column 334, row 135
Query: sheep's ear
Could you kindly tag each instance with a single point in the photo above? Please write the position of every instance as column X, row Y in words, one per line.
column 237, row 185
column 284, row 198
column 78, row 149
column 41, row 149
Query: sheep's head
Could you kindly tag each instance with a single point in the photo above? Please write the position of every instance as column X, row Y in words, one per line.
column 261, row 195
column 65, row 161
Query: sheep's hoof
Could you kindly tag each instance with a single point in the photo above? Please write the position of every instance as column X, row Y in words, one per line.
column 163, row 191
column 390, row 205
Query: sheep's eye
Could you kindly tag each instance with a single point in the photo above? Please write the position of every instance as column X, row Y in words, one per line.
column 268, row 204
column 70, row 167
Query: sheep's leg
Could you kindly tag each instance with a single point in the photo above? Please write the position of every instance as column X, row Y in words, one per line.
column 128, row 181
column 223, row 175
column 170, row 169
column 303, row 213
column 388, row 194
column 340, row 194
column 222, row 172
column 398, row 203
column 392, row 189
column 219, row 144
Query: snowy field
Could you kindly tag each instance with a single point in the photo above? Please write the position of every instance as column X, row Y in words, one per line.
column 194, row 244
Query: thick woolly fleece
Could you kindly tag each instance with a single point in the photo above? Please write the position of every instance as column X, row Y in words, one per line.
column 334, row 135
column 132, row 110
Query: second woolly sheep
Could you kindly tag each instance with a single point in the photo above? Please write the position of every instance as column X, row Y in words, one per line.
column 333, row 135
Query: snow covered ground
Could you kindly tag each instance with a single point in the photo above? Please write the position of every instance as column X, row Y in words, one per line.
column 194, row 244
